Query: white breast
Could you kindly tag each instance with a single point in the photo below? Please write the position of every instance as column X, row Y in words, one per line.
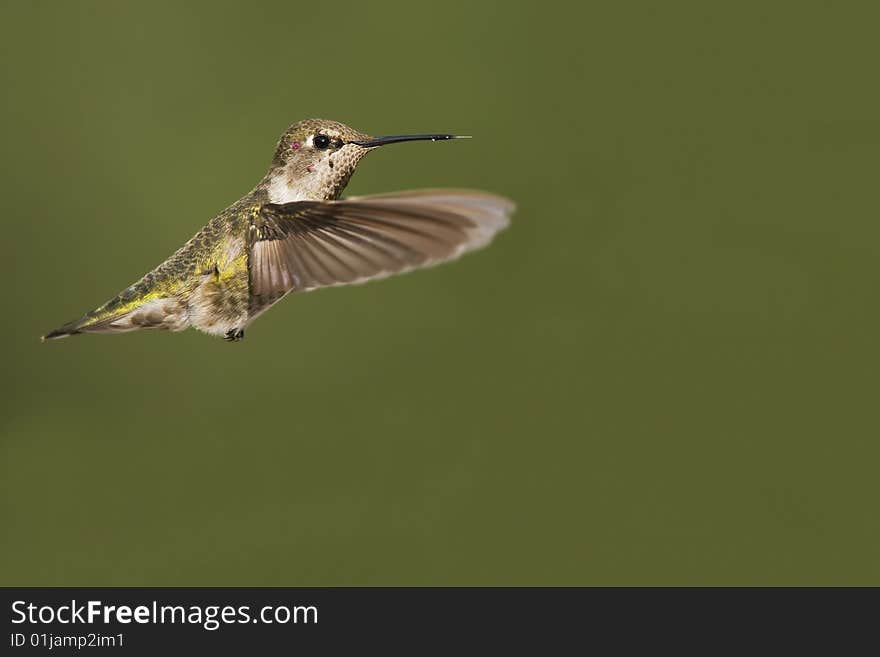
column 280, row 191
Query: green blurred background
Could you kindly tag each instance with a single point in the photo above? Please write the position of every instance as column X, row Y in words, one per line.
column 665, row 372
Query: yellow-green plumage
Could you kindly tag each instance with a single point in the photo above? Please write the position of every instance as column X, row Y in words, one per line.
column 207, row 275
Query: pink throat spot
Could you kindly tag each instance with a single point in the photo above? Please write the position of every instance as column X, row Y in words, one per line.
column 296, row 145
column 309, row 168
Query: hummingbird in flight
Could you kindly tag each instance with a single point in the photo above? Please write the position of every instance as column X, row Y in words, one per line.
column 293, row 233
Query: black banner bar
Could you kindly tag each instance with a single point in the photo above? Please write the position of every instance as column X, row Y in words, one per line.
column 459, row 620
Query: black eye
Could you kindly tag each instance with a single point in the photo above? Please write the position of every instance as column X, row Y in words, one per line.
column 322, row 141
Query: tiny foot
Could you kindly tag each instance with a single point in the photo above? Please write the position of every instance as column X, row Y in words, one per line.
column 234, row 335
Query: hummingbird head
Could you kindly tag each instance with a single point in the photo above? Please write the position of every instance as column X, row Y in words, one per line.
column 315, row 159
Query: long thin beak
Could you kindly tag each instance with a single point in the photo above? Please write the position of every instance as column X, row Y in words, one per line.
column 393, row 139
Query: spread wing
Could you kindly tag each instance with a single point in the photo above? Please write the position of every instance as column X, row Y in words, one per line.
column 305, row 245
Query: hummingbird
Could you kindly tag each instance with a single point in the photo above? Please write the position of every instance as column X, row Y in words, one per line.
column 294, row 233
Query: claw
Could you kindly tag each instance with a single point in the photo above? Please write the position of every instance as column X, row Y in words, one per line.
column 234, row 335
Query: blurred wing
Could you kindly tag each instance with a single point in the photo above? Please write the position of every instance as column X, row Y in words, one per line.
column 301, row 246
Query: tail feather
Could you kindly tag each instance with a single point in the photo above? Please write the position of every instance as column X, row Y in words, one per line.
column 71, row 328
column 121, row 315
